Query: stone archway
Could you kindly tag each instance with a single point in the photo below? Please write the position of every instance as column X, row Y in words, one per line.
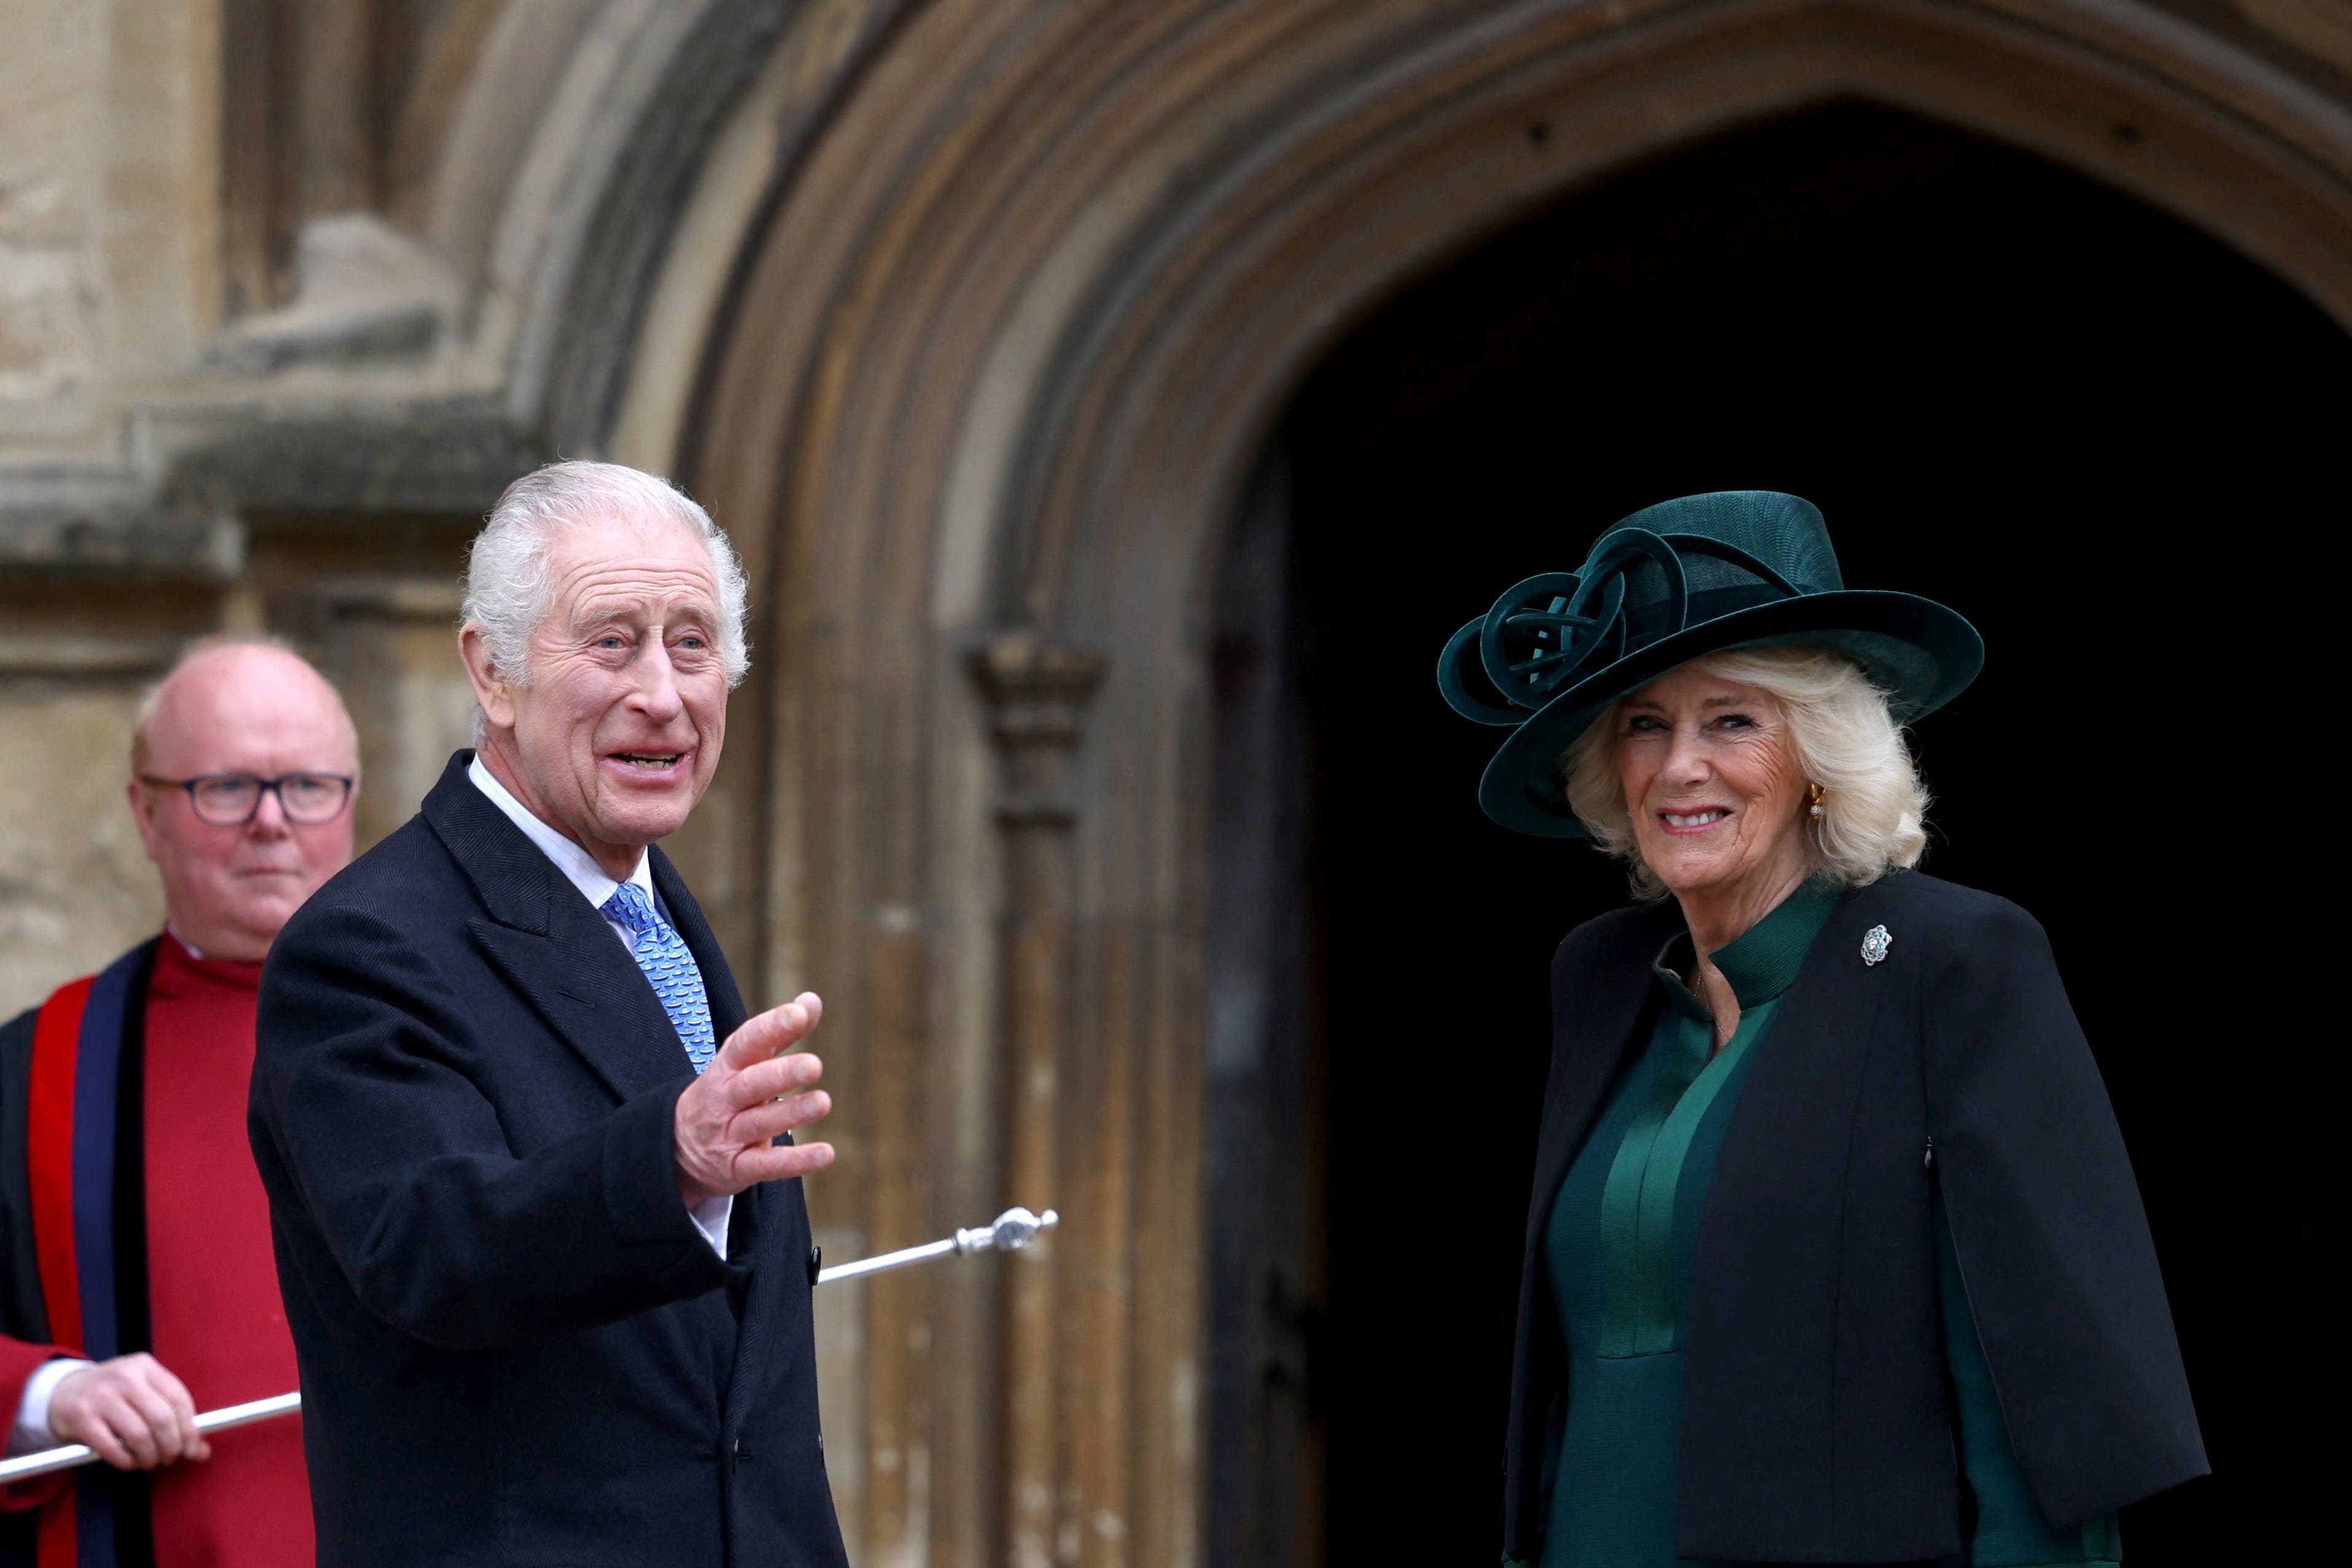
column 981, row 404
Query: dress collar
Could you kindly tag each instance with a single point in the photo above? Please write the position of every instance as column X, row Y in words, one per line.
column 176, row 956
column 578, row 866
column 1761, row 962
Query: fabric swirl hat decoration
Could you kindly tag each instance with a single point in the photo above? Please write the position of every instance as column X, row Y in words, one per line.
column 1732, row 569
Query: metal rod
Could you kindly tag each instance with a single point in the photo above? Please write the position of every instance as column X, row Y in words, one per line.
column 73, row 1454
column 884, row 1261
column 1009, row 1232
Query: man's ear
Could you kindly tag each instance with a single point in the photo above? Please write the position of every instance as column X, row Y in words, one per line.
column 496, row 697
column 142, row 814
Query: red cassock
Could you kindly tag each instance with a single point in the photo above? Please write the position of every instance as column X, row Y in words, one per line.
column 212, row 1278
column 212, row 1306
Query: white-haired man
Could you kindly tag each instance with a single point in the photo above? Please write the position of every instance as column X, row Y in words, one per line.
column 137, row 1283
column 547, row 1266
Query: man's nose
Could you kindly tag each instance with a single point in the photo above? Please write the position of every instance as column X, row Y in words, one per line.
column 656, row 695
column 268, row 819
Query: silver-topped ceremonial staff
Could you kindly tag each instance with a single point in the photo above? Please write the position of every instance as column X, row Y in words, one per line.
column 1009, row 1232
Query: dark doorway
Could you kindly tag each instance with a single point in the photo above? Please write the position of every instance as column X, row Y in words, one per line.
column 2114, row 443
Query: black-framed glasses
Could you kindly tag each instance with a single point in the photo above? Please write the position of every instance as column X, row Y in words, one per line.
column 230, row 800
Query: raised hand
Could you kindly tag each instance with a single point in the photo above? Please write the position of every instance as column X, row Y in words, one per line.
column 136, row 1414
column 751, row 1093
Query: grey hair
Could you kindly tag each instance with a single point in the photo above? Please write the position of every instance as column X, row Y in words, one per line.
column 508, row 584
column 1845, row 737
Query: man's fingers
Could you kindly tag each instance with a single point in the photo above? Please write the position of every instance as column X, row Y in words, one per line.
column 777, row 1029
column 154, row 1374
column 761, row 1036
column 154, row 1407
column 765, row 1163
column 121, row 1417
column 183, row 1412
column 171, row 1430
column 774, row 1078
column 765, row 1036
column 100, row 1439
column 772, row 1118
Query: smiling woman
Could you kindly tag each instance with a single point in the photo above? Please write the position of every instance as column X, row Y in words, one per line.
column 1833, row 1225
column 1865, row 804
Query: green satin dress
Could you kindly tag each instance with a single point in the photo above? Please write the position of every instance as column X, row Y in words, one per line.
column 1618, row 1249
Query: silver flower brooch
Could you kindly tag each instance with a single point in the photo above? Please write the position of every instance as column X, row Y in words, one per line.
column 1875, row 943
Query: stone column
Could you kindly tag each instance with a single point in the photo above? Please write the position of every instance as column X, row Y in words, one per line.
column 1039, row 691
column 390, row 644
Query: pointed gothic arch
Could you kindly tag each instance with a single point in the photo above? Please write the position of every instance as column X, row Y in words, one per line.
column 981, row 398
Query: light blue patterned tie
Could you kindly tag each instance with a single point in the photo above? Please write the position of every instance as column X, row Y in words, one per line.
column 661, row 953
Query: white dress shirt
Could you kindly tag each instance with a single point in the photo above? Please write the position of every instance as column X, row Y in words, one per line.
column 31, row 1433
column 581, row 869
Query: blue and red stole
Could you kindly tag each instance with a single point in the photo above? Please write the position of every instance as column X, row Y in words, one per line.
column 74, row 1104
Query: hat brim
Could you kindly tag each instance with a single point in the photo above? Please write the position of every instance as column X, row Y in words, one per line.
column 1917, row 650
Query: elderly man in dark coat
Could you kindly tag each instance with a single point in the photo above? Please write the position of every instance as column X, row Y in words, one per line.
column 544, row 1254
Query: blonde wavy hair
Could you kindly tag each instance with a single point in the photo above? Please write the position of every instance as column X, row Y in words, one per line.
column 1873, row 805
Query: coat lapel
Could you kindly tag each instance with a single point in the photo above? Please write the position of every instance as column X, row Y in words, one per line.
column 1595, row 1015
column 1600, row 986
column 767, row 1217
column 556, row 950
column 1759, row 1389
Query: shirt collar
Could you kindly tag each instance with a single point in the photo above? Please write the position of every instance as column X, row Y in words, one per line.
column 579, row 868
column 1761, row 962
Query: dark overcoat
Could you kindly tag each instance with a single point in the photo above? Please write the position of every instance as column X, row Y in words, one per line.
column 1815, row 1423
column 515, row 1345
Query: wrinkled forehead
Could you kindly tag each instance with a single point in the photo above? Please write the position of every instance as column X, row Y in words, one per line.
column 629, row 565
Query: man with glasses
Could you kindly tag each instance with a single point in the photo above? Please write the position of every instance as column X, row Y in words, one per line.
column 137, row 1281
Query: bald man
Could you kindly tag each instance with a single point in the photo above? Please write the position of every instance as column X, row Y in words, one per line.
column 137, row 1284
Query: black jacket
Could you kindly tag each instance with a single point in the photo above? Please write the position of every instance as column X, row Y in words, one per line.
column 1815, row 1427
column 516, row 1347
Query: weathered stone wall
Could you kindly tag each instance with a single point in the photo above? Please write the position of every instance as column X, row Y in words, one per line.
column 104, row 200
column 52, row 118
column 75, row 888
column 109, row 147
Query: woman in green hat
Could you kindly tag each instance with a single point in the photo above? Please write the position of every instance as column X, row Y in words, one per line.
column 1835, row 1254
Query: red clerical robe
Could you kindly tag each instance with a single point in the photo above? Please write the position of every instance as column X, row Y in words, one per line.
column 212, row 1277
column 213, row 1313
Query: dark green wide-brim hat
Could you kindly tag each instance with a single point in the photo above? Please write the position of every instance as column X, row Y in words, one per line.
column 1732, row 569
